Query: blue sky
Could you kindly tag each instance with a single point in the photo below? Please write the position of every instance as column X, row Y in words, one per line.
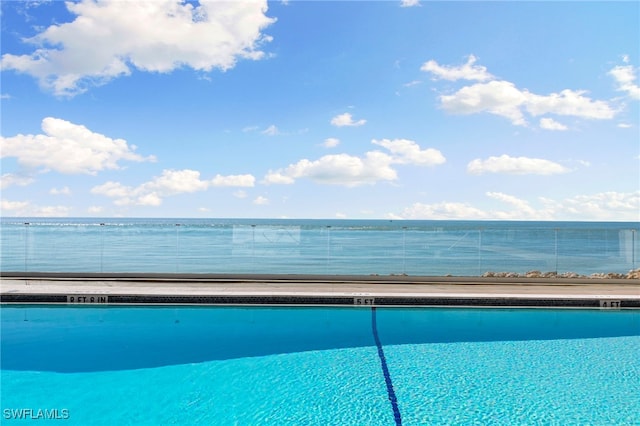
column 321, row 109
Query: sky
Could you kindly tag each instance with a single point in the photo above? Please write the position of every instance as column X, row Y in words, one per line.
column 321, row 109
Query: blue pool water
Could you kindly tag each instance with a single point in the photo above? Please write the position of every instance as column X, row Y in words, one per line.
column 289, row 246
column 319, row 365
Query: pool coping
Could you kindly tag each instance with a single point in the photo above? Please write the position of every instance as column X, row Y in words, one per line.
column 335, row 290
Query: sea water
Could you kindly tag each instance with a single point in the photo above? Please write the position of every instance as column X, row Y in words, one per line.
column 363, row 247
column 319, row 366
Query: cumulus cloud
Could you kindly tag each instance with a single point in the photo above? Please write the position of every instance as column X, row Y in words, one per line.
column 522, row 207
column 233, row 180
column 346, row 119
column 467, row 71
column 171, row 182
column 95, row 209
column 61, row 191
column 443, row 210
column 551, row 124
column 331, row 142
column 68, row 148
column 13, row 205
column 496, row 97
column 13, row 179
column 28, row 209
column 339, row 169
column 350, row 170
column 568, row 102
column 110, row 37
column 409, row 152
column 503, row 98
column 625, row 78
column 609, row 205
column 600, row 206
column 261, row 201
column 515, row 165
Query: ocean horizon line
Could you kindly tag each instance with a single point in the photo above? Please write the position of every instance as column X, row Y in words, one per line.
column 334, row 219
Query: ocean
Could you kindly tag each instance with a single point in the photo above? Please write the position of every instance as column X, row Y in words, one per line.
column 300, row 246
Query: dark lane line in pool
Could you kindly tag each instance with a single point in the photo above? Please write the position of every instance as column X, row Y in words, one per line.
column 385, row 370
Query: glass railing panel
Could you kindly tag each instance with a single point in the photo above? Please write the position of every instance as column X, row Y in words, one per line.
column 379, row 248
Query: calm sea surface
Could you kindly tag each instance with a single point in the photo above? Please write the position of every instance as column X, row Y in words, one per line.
column 436, row 248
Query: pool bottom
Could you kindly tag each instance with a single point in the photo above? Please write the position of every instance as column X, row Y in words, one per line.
column 442, row 367
column 448, row 383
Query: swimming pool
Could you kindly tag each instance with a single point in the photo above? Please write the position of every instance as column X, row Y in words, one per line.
column 319, row 365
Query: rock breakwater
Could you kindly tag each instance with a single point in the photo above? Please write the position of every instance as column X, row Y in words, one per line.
column 631, row 275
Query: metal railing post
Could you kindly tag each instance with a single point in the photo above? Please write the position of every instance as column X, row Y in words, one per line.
column 177, row 247
column 328, row 247
column 404, row 249
column 101, row 247
column 556, row 248
column 26, row 246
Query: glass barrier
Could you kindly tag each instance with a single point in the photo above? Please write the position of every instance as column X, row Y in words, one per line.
column 317, row 249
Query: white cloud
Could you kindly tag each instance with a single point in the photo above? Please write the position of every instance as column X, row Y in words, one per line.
column 603, row 206
column 27, row 209
column 271, row 131
column 12, row 179
column 412, row 83
column 278, row 177
column 468, row 71
column 625, row 78
column 95, row 210
column 62, row 191
column 234, row 180
column 346, row 119
column 331, row 142
column 568, row 102
column 624, row 125
column 496, row 97
column 109, row 37
column 171, row 182
column 504, row 99
column 443, row 210
column 240, row 194
column 522, row 208
column 13, row 205
column 349, row 170
column 339, row 169
column 68, row 148
column 261, row 201
column 409, row 152
column 515, row 165
column 551, row 124
column 409, row 3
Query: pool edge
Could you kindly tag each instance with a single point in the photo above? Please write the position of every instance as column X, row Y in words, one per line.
column 336, row 290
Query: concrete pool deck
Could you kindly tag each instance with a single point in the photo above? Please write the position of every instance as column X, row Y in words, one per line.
column 262, row 289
